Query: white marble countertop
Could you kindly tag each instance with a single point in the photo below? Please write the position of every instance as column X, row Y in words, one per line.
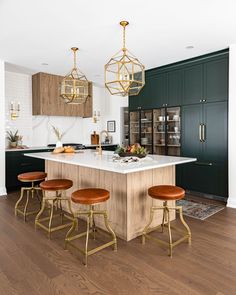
column 91, row 159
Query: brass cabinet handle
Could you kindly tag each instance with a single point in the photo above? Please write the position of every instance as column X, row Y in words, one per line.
column 203, row 163
column 203, row 133
column 200, row 132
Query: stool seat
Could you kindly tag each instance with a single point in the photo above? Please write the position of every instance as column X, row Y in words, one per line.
column 90, row 196
column 166, row 192
column 56, row 184
column 32, row 176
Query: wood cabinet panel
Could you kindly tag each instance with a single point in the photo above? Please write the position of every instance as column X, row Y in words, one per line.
column 47, row 100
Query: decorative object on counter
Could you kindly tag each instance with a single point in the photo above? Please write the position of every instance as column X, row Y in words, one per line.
column 13, row 138
column 96, row 116
column 74, row 86
column 94, row 138
column 59, row 136
column 134, row 150
column 124, row 73
column 14, row 110
column 65, row 149
column 111, row 126
column 99, row 149
column 126, row 159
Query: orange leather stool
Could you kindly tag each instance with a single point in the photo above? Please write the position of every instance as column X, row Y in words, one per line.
column 59, row 186
column 32, row 177
column 90, row 197
column 167, row 193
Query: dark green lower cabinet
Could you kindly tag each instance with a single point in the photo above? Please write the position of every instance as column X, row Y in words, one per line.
column 204, row 178
column 205, row 137
column 17, row 163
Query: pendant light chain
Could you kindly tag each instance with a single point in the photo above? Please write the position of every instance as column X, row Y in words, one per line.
column 124, row 48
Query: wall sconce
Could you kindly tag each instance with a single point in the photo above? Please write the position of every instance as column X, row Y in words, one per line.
column 14, row 110
column 96, row 116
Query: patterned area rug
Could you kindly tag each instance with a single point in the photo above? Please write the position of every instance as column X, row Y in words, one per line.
column 199, row 210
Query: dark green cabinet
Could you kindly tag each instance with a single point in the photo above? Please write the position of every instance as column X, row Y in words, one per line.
column 175, row 88
column 17, row 163
column 204, row 137
column 206, row 82
column 193, row 84
column 216, row 80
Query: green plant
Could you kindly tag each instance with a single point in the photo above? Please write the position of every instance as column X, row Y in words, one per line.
column 12, row 137
column 57, row 132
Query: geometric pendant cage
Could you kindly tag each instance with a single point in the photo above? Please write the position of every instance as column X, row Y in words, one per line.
column 124, row 73
column 74, row 86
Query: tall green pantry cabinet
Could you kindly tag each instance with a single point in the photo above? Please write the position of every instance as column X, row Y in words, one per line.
column 199, row 88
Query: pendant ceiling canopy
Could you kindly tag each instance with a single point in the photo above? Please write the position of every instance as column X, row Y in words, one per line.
column 124, row 73
column 74, row 86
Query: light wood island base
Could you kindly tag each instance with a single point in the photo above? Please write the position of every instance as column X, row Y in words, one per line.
column 129, row 205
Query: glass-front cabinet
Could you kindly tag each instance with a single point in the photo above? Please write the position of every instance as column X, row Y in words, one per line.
column 173, row 129
column 146, row 130
column 158, row 130
column 134, row 127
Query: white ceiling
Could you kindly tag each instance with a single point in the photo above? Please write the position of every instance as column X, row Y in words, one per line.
column 33, row 32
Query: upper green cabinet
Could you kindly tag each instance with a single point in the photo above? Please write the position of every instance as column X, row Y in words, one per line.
column 216, row 80
column 175, row 88
column 193, row 84
column 199, row 80
column 206, row 82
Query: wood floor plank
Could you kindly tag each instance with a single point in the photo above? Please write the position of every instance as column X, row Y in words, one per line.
column 32, row 264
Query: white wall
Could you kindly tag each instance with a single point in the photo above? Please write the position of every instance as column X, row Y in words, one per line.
column 232, row 125
column 37, row 130
column 2, row 128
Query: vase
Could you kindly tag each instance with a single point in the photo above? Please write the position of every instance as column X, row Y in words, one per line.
column 13, row 144
column 59, row 144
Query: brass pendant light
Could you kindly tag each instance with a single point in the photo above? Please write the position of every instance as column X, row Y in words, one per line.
column 124, row 73
column 74, row 86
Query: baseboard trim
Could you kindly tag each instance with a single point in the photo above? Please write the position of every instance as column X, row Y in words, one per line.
column 231, row 203
column 3, row 191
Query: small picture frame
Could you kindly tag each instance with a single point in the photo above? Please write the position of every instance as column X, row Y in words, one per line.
column 111, row 126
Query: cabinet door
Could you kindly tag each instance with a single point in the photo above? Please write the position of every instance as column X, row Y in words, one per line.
column 175, row 88
column 215, row 133
column 191, row 120
column 216, row 80
column 134, row 127
column 193, row 84
column 158, row 90
column 134, row 102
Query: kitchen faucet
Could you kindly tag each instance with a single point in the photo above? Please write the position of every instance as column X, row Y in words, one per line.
column 100, row 141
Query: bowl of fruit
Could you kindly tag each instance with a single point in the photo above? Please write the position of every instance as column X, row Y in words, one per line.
column 134, row 150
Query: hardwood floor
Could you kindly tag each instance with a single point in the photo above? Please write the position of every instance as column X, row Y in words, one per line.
column 32, row 264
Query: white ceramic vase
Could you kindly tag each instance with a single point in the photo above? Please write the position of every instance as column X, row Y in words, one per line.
column 58, row 144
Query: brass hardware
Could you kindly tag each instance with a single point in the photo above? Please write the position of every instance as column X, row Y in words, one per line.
column 124, row 73
column 203, row 133
column 203, row 163
column 166, row 218
column 200, row 132
column 50, row 203
column 23, row 209
column 91, row 228
column 100, row 141
column 74, row 87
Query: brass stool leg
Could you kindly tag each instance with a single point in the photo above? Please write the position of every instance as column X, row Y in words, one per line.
column 169, row 231
column 26, row 205
column 71, row 231
column 87, row 238
column 50, row 219
column 185, row 224
column 41, row 210
column 110, row 231
column 147, row 226
column 20, row 199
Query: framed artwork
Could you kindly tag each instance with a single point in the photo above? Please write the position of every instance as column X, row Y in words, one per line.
column 111, row 126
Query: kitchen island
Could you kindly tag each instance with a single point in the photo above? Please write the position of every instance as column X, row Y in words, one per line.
column 129, row 205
